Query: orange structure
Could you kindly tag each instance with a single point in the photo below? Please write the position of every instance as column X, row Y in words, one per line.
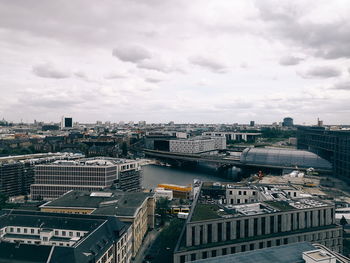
column 179, row 191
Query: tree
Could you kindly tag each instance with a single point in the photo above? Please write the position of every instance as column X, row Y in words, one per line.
column 343, row 221
column 124, row 149
column 162, row 206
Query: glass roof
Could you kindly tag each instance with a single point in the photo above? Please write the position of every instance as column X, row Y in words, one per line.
column 284, row 157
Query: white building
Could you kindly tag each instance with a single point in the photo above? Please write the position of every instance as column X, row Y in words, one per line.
column 160, row 192
column 192, row 145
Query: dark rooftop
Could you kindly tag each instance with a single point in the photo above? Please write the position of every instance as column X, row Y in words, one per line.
column 291, row 253
column 106, row 230
column 119, row 203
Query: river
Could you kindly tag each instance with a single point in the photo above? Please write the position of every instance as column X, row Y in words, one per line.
column 156, row 174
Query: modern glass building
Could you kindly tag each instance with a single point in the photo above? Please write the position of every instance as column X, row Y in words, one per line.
column 333, row 145
column 284, row 158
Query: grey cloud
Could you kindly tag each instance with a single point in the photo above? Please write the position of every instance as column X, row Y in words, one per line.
column 209, row 63
column 328, row 40
column 345, row 85
column 133, row 54
column 114, row 75
column 49, row 71
column 321, row 72
column 290, row 61
column 153, row 80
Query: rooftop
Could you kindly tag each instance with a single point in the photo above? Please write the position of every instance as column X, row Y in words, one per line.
column 103, row 231
column 96, row 161
column 282, row 254
column 212, row 202
column 104, row 202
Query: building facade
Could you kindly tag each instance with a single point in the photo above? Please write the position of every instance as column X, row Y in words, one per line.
column 235, row 136
column 192, row 145
column 216, row 227
column 332, row 145
column 17, row 172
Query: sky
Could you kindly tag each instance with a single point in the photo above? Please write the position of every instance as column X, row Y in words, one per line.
column 198, row 61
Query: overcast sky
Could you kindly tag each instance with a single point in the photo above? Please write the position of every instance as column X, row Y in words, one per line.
column 210, row 61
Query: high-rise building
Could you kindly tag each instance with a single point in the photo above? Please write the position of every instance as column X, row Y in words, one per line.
column 28, row 236
column 287, row 122
column 332, row 145
column 252, row 123
column 66, row 122
column 228, row 218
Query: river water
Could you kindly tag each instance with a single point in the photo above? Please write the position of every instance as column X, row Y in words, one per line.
column 156, row 174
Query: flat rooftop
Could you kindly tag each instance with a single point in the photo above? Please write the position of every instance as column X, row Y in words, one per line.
column 282, row 254
column 103, row 202
column 212, row 201
column 97, row 162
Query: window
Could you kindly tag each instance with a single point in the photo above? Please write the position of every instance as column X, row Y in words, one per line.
column 243, row 248
column 233, row 250
column 245, row 193
column 63, row 233
column 204, row 255
column 224, row 251
column 45, row 239
column 70, row 234
column 32, row 231
column 78, row 234
column 213, row 253
column 25, row 230
column 11, row 229
column 251, row 247
column 261, row 245
column 18, row 230
column 193, row 257
column 239, row 192
column 56, row 233
column 269, row 243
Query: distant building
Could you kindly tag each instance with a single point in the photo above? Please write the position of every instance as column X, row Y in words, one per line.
column 17, row 172
column 195, row 145
column 28, row 236
column 66, row 123
column 266, row 216
column 92, row 174
column 287, row 122
column 252, row 123
column 135, row 208
column 235, row 136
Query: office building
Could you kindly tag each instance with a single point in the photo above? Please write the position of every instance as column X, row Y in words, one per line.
column 66, row 123
column 17, row 172
column 134, row 208
column 28, row 236
column 332, row 145
column 92, row 174
column 263, row 217
column 194, row 145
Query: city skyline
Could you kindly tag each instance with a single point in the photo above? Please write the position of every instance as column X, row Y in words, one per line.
column 189, row 62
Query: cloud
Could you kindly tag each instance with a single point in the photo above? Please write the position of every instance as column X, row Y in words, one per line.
column 344, row 85
column 115, row 75
column 153, row 80
column 131, row 53
column 48, row 70
column 209, row 63
column 290, row 61
column 324, row 32
column 321, row 72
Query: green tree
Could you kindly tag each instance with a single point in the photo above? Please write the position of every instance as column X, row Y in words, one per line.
column 162, row 207
column 124, row 149
column 343, row 221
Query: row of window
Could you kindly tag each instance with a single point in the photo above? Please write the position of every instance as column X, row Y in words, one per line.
column 245, row 227
column 37, row 231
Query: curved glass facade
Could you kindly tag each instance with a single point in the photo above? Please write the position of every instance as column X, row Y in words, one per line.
column 284, row 157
